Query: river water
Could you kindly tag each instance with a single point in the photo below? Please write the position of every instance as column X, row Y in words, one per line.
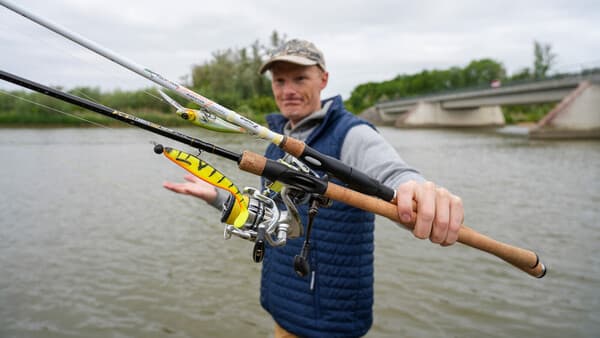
column 91, row 245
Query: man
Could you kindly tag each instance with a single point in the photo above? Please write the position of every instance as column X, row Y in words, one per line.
column 336, row 297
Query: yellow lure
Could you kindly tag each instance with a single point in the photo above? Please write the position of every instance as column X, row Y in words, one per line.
column 209, row 174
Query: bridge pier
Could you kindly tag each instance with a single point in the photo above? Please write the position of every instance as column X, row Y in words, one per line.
column 576, row 116
column 432, row 114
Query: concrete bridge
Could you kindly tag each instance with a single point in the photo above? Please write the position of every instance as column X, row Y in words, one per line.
column 576, row 115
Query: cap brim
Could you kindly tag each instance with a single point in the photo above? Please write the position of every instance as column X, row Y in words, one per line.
column 287, row 58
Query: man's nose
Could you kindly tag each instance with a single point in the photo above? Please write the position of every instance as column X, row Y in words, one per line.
column 288, row 88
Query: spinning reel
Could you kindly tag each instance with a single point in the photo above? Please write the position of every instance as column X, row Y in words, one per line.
column 268, row 217
column 267, row 222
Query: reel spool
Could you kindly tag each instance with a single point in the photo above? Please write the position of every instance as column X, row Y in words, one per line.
column 266, row 223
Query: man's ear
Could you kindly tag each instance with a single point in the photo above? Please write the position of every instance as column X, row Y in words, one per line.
column 324, row 79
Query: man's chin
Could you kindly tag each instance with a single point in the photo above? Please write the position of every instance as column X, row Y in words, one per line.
column 290, row 113
column 294, row 116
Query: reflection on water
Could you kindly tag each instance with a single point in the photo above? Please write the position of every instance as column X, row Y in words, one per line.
column 91, row 245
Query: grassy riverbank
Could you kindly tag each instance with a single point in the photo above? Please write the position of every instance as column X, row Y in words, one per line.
column 24, row 109
column 82, row 119
column 53, row 117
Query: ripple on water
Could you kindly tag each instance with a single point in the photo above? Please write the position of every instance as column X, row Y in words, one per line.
column 93, row 246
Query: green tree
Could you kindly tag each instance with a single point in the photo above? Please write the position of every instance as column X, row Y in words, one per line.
column 231, row 77
column 522, row 75
column 476, row 73
column 544, row 59
column 482, row 72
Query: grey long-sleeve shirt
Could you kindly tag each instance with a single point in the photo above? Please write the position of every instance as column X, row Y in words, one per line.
column 363, row 149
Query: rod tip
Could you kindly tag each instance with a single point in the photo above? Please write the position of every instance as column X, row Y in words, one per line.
column 543, row 271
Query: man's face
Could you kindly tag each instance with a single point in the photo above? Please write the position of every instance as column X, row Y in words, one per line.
column 297, row 89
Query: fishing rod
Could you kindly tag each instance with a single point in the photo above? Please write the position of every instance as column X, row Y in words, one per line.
column 353, row 178
column 297, row 180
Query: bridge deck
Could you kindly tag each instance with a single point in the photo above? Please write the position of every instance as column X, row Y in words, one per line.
column 552, row 90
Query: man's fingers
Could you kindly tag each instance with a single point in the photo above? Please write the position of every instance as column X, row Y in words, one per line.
column 191, row 178
column 456, row 220
column 439, row 213
column 442, row 216
column 425, row 197
column 176, row 187
column 404, row 198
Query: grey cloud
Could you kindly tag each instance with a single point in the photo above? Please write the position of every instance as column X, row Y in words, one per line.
column 362, row 40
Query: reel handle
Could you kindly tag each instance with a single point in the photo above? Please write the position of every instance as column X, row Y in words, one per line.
column 258, row 252
column 301, row 266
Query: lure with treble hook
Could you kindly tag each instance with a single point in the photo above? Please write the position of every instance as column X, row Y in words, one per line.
column 201, row 117
column 209, row 174
column 249, row 215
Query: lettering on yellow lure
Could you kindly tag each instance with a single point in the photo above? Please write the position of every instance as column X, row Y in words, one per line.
column 211, row 175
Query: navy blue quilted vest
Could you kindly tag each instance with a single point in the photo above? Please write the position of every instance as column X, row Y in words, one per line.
column 335, row 299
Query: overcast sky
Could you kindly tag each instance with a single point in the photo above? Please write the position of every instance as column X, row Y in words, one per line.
column 362, row 40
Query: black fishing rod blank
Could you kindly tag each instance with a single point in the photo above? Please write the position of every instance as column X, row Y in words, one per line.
column 247, row 161
column 121, row 116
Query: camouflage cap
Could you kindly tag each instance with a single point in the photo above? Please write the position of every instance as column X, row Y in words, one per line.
column 296, row 51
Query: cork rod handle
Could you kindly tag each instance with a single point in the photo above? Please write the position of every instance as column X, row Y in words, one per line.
column 526, row 260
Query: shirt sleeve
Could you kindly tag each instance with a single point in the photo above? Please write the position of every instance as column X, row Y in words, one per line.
column 366, row 150
column 222, row 196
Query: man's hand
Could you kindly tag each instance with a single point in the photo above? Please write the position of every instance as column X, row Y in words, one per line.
column 439, row 212
column 194, row 187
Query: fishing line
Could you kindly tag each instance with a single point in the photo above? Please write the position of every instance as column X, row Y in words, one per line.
column 49, row 42
column 54, row 109
column 154, row 96
column 136, row 130
column 114, row 185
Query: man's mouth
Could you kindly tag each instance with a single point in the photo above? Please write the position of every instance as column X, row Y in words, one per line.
column 292, row 101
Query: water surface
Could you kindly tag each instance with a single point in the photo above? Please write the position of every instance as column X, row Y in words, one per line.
column 91, row 245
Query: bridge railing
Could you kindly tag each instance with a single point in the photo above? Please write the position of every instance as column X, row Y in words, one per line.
column 580, row 75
